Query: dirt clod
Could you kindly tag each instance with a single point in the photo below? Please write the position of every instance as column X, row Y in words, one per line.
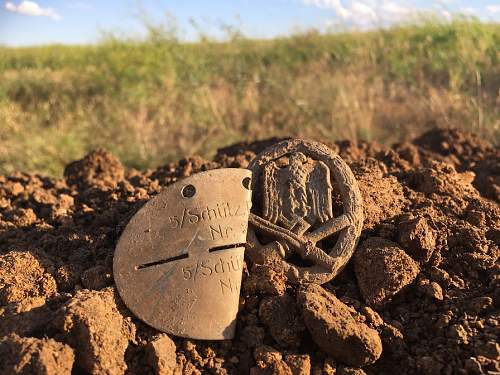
column 269, row 361
column 382, row 269
column 96, row 278
column 26, row 317
column 299, row 364
column 93, row 326
column 266, row 279
column 160, row 354
column 431, row 289
column 383, row 195
column 26, row 355
column 334, row 329
column 99, row 168
column 417, row 237
column 23, row 275
column 281, row 316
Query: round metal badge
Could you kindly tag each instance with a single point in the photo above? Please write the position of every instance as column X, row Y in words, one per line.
column 294, row 180
column 178, row 264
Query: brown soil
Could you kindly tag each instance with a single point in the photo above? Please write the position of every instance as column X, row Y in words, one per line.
column 421, row 296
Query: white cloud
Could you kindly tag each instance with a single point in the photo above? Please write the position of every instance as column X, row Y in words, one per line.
column 468, row 10
column 30, row 8
column 343, row 12
column 323, row 3
column 391, row 7
column 493, row 8
column 336, row 5
column 363, row 11
column 366, row 12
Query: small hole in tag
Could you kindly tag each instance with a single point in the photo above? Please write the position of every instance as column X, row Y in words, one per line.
column 246, row 182
column 188, row 191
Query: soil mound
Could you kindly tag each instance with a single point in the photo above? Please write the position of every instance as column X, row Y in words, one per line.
column 421, row 295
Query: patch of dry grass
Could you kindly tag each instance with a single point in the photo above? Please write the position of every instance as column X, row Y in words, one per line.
column 157, row 100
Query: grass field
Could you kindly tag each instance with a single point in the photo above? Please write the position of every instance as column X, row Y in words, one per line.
column 156, row 100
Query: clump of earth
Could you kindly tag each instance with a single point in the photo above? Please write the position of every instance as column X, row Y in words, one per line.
column 421, row 294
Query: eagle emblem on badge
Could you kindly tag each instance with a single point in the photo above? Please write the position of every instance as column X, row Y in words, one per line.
column 297, row 192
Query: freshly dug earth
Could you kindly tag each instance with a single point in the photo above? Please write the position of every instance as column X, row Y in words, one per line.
column 420, row 296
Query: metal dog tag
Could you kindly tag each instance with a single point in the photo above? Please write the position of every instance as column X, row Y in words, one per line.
column 178, row 264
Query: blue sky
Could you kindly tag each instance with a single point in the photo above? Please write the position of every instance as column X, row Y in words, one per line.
column 83, row 21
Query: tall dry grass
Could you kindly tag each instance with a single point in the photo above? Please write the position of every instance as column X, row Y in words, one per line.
column 156, row 100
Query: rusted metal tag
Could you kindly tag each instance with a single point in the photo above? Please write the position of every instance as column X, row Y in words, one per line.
column 178, row 264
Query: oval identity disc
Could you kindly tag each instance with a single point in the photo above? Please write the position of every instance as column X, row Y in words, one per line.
column 178, row 264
